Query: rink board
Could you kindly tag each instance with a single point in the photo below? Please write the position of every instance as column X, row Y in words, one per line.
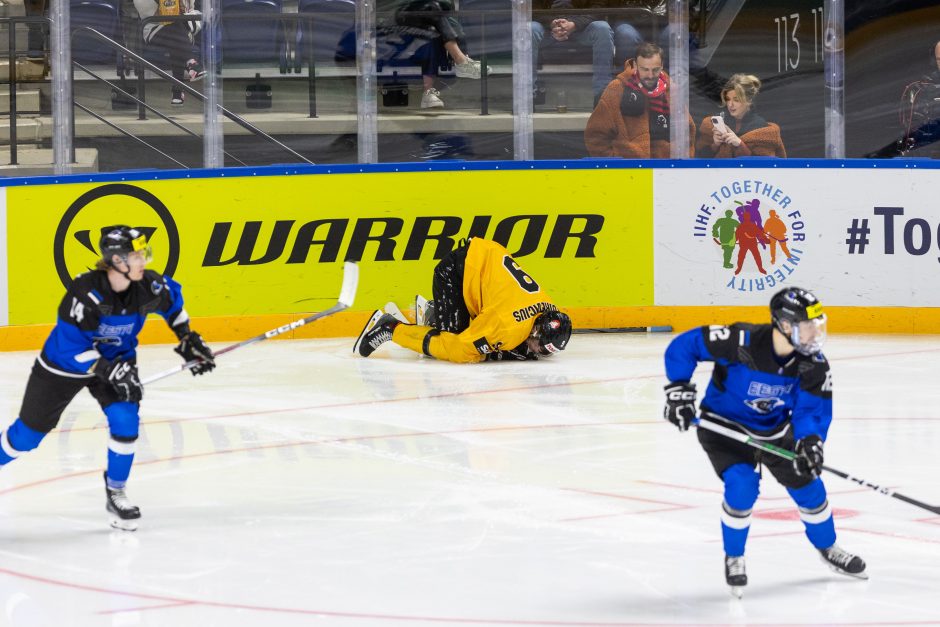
column 615, row 246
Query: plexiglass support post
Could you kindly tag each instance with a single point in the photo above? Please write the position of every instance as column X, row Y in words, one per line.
column 213, row 139
column 679, row 79
column 522, row 80
column 366, row 83
column 834, row 67
column 61, row 72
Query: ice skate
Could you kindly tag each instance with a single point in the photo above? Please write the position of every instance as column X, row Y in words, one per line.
column 424, row 311
column 843, row 562
column 735, row 575
column 124, row 516
column 378, row 331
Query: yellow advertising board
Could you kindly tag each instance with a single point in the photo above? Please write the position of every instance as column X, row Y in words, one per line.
column 259, row 246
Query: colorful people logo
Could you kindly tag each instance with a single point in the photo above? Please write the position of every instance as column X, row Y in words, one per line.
column 746, row 232
column 724, row 235
column 776, row 230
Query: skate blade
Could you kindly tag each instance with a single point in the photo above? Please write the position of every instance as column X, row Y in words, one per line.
column 737, row 591
column 392, row 308
column 421, row 304
column 124, row 525
column 371, row 323
column 862, row 575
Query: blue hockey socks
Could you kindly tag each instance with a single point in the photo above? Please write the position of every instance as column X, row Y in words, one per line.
column 742, row 485
column 815, row 513
column 124, row 422
column 16, row 440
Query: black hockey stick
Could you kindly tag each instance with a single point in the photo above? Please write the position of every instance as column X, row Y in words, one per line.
column 653, row 329
column 347, row 295
column 790, row 455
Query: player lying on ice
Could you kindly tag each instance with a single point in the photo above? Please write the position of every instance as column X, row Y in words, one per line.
column 93, row 346
column 485, row 307
column 772, row 382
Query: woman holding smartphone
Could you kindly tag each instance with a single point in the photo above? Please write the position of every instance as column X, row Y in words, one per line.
column 741, row 133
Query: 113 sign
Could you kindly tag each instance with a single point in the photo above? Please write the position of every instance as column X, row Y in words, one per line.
column 788, row 39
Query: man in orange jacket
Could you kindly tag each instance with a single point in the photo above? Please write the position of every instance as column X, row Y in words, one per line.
column 633, row 115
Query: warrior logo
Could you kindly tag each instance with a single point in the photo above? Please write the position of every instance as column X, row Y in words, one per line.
column 76, row 238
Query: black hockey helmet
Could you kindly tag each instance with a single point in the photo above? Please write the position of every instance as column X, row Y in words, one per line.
column 122, row 240
column 799, row 316
column 553, row 330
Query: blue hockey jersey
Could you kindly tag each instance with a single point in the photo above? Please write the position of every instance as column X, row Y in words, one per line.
column 94, row 321
column 750, row 384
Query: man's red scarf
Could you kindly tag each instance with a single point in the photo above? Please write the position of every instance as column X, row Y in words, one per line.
column 658, row 98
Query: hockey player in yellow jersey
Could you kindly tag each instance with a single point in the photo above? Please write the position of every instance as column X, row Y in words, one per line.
column 485, row 307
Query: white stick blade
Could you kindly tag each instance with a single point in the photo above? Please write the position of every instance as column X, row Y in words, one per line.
column 347, row 294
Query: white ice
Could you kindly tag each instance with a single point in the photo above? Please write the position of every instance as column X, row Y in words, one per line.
column 300, row 485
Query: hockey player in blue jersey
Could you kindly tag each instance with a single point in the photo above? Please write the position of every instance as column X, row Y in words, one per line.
column 772, row 382
column 93, row 346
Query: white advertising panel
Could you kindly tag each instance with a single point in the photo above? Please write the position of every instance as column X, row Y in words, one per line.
column 729, row 236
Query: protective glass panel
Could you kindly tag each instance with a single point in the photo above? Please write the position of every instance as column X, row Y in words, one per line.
column 444, row 80
column 126, row 58
column 892, row 67
column 26, row 41
column 273, row 69
column 584, row 62
column 756, row 84
column 289, row 73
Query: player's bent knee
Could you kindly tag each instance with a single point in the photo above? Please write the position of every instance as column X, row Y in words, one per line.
column 742, row 486
column 123, row 420
column 20, row 438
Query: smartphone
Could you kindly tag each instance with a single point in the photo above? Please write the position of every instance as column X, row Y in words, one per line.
column 719, row 123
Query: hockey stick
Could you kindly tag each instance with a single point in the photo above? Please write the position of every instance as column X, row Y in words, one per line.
column 653, row 329
column 790, row 455
column 347, row 295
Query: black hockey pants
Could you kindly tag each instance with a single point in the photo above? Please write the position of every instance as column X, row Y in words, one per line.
column 451, row 310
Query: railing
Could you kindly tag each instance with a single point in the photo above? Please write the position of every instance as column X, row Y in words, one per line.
column 740, row 38
column 144, row 63
column 13, row 54
column 296, row 28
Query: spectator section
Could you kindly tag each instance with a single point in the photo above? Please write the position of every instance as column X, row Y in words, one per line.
column 479, row 80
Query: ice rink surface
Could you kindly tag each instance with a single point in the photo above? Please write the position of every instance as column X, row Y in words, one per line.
column 300, row 485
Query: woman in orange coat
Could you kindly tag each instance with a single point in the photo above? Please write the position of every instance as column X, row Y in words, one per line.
column 742, row 133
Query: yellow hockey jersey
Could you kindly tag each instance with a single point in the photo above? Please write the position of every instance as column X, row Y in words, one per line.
column 503, row 302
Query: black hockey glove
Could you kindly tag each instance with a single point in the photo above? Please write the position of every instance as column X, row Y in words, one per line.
column 809, row 456
column 513, row 355
column 680, row 404
column 519, row 353
column 191, row 348
column 122, row 377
